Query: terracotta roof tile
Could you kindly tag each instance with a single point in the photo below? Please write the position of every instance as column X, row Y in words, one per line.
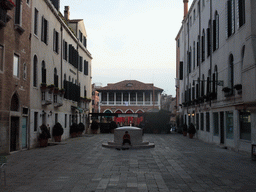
column 128, row 85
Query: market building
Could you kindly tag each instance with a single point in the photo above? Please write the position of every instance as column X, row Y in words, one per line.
column 216, row 81
column 129, row 97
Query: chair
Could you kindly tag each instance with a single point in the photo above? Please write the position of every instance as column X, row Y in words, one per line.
column 3, row 163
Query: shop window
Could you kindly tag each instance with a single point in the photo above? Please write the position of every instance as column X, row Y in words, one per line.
column 229, row 125
column 215, row 124
column 245, row 125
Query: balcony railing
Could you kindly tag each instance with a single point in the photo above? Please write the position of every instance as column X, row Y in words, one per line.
column 126, row 103
column 47, row 97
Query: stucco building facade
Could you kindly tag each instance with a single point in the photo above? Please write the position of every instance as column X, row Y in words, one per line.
column 216, row 82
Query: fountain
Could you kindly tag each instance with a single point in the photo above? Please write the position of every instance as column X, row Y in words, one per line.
column 136, row 139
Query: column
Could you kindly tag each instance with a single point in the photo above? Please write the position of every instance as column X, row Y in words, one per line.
column 122, row 98
column 107, row 98
column 129, row 98
column 143, row 98
column 115, row 98
column 151, row 99
column 136, row 98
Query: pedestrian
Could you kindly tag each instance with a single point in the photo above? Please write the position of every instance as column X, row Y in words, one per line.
column 126, row 138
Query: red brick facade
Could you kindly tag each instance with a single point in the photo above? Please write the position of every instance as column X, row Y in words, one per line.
column 14, row 90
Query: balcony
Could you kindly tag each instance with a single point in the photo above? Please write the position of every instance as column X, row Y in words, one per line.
column 58, row 100
column 47, row 97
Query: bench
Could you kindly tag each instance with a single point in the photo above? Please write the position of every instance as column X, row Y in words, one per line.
column 3, row 163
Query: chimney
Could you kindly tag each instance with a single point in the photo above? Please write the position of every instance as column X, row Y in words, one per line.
column 66, row 13
column 185, row 8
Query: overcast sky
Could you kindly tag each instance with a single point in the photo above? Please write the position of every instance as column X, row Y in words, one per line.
column 131, row 39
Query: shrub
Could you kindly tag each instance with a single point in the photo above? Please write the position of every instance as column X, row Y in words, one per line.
column 73, row 128
column 57, row 130
column 45, row 133
column 81, row 127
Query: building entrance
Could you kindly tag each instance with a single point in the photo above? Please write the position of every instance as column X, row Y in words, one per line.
column 14, row 133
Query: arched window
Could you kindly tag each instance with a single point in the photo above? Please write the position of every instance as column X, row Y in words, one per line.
column 209, row 39
column 202, row 86
column 215, row 82
column 56, row 78
column 216, row 31
column 194, row 55
column 231, row 74
column 203, row 46
column 15, row 102
column 35, row 71
column 230, row 17
column 198, row 51
column 43, row 72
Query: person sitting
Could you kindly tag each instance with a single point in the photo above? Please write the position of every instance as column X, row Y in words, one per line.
column 126, row 138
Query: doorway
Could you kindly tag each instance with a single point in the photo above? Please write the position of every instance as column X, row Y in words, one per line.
column 24, row 132
column 222, row 127
column 14, row 140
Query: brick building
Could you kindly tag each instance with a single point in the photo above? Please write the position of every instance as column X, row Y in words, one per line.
column 15, row 37
column 129, row 96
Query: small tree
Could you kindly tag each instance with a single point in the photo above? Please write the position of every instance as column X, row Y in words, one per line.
column 57, row 130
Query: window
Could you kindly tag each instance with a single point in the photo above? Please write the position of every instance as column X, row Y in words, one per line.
column 18, row 9
column 194, row 55
column 85, row 42
column 1, row 58
column 56, row 118
column 24, row 71
column 202, row 121
column 230, row 17
column 241, row 11
column 214, row 82
column 86, row 67
column 43, row 72
column 203, row 46
column 202, row 86
column 229, row 125
column 216, row 32
column 35, row 121
column 28, row 2
column 243, row 50
column 66, row 118
column 36, row 22
column 16, row 61
column 80, row 36
column 56, row 78
column 208, row 122
column 194, row 14
column 55, row 41
column 181, row 70
column 35, row 71
column 198, row 51
column 203, row 3
column 215, row 124
column 44, row 31
column 80, row 64
column 245, row 125
column 209, row 39
column 231, row 74
column 65, row 50
column 84, row 91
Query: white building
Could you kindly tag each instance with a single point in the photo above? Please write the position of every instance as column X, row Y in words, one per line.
column 216, row 74
column 59, row 57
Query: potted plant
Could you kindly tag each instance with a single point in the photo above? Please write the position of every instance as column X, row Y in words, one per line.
column 73, row 130
column 44, row 136
column 81, row 129
column 94, row 126
column 43, row 86
column 184, row 129
column 57, row 131
column 191, row 130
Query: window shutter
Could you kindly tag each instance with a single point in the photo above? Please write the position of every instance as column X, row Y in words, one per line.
column 214, row 35
column 233, row 15
column 54, row 40
column 208, row 42
column 217, row 31
column 181, row 70
column 42, row 29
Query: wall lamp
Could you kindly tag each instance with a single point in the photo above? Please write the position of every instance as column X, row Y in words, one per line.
column 43, row 113
column 50, row 114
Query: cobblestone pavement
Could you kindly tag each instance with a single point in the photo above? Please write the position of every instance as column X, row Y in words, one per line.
column 177, row 163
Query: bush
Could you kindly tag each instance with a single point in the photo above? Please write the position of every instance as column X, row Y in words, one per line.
column 94, row 125
column 57, row 130
column 73, row 128
column 81, row 127
column 45, row 133
column 191, row 129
